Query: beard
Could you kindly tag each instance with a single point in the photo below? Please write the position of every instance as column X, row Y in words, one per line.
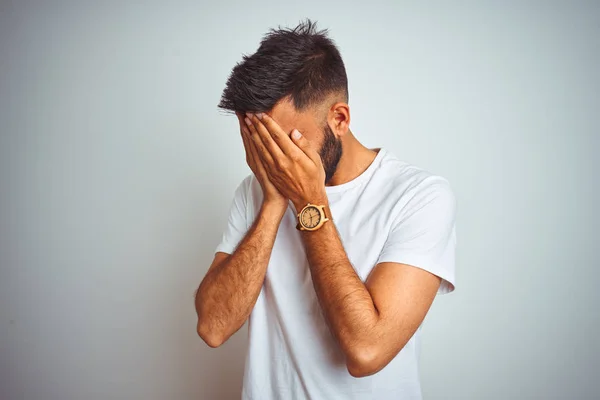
column 331, row 153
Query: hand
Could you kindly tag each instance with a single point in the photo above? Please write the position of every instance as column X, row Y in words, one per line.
column 271, row 194
column 293, row 166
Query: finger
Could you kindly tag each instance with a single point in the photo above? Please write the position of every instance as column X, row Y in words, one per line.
column 261, row 150
column 259, row 162
column 245, row 134
column 262, row 169
column 255, row 162
column 305, row 146
column 279, row 136
column 266, row 138
column 250, row 153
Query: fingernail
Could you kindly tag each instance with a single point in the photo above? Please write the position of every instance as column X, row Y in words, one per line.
column 249, row 115
column 259, row 115
column 248, row 122
column 296, row 134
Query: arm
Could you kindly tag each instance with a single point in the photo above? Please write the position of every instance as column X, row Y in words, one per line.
column 232, row 284
column 372, row 321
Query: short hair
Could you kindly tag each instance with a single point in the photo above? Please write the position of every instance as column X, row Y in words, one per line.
column 303, row 63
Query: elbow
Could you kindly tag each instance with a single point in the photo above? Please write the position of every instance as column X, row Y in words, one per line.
column 211, row 338
column 364, row 362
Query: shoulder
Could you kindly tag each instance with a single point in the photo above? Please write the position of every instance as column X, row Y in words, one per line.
column 249, row 193
column 244, row 188
column 411, row 186
column 248, row 182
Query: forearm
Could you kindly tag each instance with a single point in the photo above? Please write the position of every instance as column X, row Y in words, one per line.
column 229, row 291
column 346, row 302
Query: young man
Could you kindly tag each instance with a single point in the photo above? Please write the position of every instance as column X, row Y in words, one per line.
column 333, row 251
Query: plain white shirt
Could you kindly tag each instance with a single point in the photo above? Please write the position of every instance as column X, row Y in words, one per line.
column 392, row 212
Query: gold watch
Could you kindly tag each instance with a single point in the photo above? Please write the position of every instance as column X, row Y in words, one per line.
column 311, row 218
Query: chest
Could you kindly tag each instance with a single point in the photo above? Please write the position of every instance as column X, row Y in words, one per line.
column 361, row 227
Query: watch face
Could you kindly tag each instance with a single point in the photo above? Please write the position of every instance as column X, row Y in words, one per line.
column 310, row 217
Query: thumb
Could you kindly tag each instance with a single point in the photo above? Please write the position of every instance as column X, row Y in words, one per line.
column 305, row 145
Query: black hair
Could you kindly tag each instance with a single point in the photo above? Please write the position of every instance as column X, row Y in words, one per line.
column 302, row 63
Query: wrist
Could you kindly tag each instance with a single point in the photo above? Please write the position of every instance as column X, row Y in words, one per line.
column 319, row 200
column 274, row 209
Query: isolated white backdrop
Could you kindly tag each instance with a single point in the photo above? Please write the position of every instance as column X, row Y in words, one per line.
column 118, row 171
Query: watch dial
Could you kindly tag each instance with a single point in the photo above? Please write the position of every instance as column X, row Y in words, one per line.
column 311, row 217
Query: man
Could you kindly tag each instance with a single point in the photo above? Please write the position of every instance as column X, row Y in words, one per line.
column 333, row 251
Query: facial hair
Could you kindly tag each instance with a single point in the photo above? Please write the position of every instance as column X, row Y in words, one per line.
column 331, row 152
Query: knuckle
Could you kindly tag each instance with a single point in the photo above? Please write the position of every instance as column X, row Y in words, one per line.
column 277, row 163
column 284, row 164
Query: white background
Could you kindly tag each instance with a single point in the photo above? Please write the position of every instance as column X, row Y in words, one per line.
column 117, row 173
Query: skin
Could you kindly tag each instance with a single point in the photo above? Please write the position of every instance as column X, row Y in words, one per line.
column 232, row 284
column 373, row 320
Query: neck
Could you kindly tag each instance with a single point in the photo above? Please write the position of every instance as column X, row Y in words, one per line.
column 355, row 160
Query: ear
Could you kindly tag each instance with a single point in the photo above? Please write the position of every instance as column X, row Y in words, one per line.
column 338, row 119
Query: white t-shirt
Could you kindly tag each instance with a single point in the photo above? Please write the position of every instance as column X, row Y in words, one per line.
column 392, row 212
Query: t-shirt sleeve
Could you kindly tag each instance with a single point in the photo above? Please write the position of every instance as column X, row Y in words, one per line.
column 237, row 223
column 424, row 235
